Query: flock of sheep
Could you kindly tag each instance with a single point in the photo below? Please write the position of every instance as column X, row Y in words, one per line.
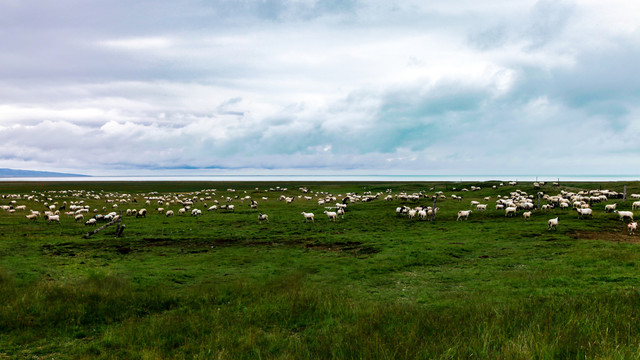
column 74, row 204
column 519, row 200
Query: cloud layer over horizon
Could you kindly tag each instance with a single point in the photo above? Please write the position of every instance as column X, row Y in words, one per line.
column 460, row 87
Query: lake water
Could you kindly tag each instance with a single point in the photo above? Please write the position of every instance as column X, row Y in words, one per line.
column 325, row 178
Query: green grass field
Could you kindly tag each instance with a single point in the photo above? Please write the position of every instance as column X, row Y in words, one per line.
column 370, row 286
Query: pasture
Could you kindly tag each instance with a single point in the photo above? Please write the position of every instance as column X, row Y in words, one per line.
column 371, row 285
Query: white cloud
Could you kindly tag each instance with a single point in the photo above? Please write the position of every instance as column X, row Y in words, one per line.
column 138, row 43
column 449, row 86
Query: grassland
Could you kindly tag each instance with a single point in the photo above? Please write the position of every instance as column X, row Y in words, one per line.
column 369, row 286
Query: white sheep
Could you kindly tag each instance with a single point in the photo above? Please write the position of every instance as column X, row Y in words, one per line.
column 231, row 207
column 481, row 207
column 182, row 211
column 263, row 217
column 91, row 221
column 610, row 207
column 196, row 212
column 422, row 214
column 632, row 228
column 431, row 213
column 168, row 213
column 553, row 223
column 341, row 212
column 463, row 214
column 142, row 213
column 635, row 205
column 308, row 216
column 32, row 216
column 51, row 218
column 79, row 217
column 624, row 214
column 584, row 212
column 526, row 215
column 332, row 215
column 412, row 213
column 510, row 210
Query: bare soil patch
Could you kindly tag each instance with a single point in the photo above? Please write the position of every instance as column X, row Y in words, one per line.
column 615, row 236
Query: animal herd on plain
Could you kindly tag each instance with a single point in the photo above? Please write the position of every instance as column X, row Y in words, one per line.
column 76, row 204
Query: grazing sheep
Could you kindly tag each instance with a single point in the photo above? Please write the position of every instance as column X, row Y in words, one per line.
column 610, row 207
column 510, row 210
column 635, row 205
column 526, row 215
column 79, row 217
column 481, row 207
column 168, row 213
column 632, row 228
column 196, row 212
column 32, row 216
column 160, row 210
column 263, row 217
column 231, row 207
column 624, row 214
column 332, row 215
column 553, row 223
column 431, row 213
column 91, row 221
column 308, row 216
column 51, row 218
column 341, row 212
column 412, row 213
column 463, row 214
column 422, row 214
column 142, row 213
column 584, row 212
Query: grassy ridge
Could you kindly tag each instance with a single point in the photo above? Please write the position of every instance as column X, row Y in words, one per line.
column 370, row 286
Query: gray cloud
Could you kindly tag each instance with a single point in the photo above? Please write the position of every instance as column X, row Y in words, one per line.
column 412, row 86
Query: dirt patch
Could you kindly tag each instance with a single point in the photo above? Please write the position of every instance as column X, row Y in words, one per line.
column 195, row 246
column 615, row 236
column 353, row 247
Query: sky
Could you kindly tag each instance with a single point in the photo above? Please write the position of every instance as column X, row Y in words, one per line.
column 304, row 86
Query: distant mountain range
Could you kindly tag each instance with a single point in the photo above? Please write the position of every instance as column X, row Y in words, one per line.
column 29, row 173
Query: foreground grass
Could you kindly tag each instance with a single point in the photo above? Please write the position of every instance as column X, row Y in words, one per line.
column 105, row 317
column 370, row 286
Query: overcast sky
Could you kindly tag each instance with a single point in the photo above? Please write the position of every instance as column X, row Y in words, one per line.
column 418, row 87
